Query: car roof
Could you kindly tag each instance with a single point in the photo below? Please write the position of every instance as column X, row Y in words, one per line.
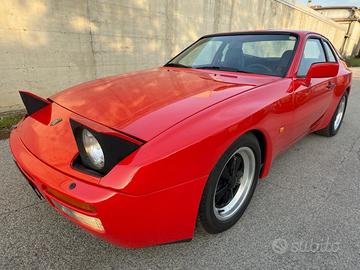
column 259, row 32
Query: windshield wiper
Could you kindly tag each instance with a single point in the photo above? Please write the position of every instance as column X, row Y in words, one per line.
column 244, row 71
column 207, row 67
column 221, row 68
column 176, row 65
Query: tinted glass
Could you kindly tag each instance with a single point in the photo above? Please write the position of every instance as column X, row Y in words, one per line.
column 268, row 49
column 329, row 52
column 202, row 54
column 313, row 53
column 256, row 53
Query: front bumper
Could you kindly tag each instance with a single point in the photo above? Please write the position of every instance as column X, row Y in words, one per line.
column 130, row 221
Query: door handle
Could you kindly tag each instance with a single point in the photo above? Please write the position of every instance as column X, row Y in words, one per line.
column 331, row 85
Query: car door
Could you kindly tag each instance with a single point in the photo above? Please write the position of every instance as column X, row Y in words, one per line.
column 311, row 102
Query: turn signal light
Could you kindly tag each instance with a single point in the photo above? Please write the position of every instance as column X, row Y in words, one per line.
column 71, row 201
column 91, row 222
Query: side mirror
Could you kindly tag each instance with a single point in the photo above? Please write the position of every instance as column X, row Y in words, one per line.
column 321, row 70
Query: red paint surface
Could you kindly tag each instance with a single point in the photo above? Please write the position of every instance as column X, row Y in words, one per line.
column 187, row 119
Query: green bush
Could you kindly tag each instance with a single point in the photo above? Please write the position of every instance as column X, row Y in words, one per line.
column 353, row 62
column 7, row 121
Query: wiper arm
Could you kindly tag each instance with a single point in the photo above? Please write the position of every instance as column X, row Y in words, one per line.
column 221, row 68
column 207, row 67
column 175, row 65
column 244, row 71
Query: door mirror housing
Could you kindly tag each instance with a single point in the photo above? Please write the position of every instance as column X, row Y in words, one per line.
column 321, row 70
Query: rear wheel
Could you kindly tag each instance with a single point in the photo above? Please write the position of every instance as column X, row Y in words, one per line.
column 231, row 185
column 336, row 120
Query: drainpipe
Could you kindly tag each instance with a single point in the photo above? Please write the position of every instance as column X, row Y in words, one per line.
column 347, row 35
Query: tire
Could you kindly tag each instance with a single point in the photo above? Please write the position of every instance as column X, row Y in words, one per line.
column 337, row 118
column 235, row 175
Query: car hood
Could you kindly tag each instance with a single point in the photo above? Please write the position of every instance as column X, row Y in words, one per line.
column 144, row 104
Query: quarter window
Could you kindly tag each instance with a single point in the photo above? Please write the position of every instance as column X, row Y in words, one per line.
column 313, row 53
column 329, row 52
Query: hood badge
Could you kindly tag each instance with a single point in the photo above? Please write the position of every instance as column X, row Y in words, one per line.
column 55, row 121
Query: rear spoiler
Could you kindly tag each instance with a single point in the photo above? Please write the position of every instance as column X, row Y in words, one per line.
column 32, row 102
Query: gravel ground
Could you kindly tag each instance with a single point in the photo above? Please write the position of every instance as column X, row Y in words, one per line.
column 305, row 215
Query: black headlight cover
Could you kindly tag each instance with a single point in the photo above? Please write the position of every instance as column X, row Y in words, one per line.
column 32, row 102
column 114, row 148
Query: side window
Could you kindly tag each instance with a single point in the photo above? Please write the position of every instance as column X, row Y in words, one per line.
column 329, row 52
column 313, row 53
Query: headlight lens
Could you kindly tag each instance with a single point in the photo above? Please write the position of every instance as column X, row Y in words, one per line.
column 100, row 151
column 93, row 149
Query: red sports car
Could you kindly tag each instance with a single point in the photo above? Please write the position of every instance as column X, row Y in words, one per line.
column 136, row 158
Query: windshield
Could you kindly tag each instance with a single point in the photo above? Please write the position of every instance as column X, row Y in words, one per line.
column 269, row 54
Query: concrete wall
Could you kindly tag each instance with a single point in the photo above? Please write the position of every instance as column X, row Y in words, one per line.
column 48, row 45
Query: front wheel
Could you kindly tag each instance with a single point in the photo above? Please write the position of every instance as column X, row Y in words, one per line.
column 336, row 120
column 231, row 185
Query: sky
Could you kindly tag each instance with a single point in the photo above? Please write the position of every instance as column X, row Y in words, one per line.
column 333, row 2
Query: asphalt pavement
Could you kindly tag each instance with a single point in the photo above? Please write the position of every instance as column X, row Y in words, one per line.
column 304, row 215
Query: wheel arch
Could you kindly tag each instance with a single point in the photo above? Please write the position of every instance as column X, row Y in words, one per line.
column 266, row 150
column 347, row 90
